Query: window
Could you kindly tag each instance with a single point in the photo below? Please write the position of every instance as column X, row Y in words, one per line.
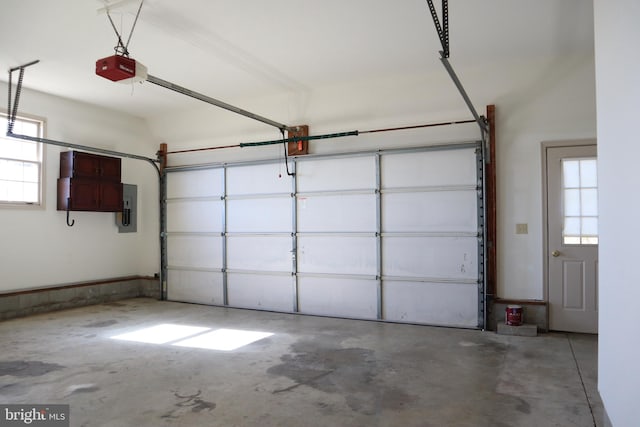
column 580, row 201
column 20, row 163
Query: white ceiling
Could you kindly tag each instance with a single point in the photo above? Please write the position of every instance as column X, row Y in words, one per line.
column 235, row 49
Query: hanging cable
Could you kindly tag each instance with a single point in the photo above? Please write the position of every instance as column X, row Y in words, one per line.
column 121, row 48
column 133, row 27
column 284, row 146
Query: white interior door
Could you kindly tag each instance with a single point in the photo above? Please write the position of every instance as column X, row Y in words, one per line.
column 572, row 218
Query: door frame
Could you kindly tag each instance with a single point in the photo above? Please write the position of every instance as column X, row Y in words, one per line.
column 545, row 202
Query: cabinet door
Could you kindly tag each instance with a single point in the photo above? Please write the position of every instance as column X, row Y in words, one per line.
column 85, row 195
column 86, row 165
column 111, row 196
column 110, row 168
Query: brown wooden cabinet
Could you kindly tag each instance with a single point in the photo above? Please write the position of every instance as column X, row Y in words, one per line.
column 89, row 182
column 75, row 164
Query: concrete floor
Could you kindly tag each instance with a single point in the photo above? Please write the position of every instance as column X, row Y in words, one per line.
column 313, row 371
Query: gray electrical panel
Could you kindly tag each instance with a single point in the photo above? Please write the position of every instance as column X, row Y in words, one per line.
column 127, row 220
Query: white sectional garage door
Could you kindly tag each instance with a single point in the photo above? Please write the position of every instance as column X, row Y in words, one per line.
column 389, row 235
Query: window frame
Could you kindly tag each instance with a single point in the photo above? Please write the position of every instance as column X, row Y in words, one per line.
column 42, row 126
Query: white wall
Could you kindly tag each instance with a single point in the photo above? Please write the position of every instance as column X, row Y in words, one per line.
column 37, row 249
column 537, row 99
column 618, row 92
column 557, row 104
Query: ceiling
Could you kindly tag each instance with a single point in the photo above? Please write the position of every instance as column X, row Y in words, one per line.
column 233, row 50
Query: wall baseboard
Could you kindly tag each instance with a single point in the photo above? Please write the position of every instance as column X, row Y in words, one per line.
column 42, row 300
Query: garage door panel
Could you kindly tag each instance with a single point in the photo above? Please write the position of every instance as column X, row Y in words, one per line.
column 337, row 255
column 448, row 304
column 259, row 253
column 203, row 216
column 442, row 257
column 336, row 213
column 194, row 251
column 260, row 215
column 429, row 169
column 201, row 287
column 441, row 211
column 197, row 183
column 350, row 173
column 262, row 292
column 258, row 179
column 343, row 297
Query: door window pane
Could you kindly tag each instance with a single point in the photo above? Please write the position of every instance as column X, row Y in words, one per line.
column 571, row 174
column 572, row 203
column 572, row 226
column 588, row 173
column 589, row 202
column 589, row 227
column 580, row 201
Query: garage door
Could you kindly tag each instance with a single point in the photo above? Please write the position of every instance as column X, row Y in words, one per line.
column 389, row 235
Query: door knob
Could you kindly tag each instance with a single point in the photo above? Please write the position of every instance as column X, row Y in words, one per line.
column 555, row 253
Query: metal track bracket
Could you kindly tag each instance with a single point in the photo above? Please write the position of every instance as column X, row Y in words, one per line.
column 443, row 31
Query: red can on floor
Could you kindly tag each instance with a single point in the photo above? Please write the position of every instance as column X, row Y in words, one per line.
column 513, row 316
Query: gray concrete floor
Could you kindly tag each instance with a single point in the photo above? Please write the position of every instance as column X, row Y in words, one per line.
column 313, row 371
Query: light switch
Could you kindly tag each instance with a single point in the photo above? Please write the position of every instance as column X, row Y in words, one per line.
column 522, row 228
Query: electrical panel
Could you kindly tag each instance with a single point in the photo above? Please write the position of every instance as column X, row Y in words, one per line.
column 127, row 220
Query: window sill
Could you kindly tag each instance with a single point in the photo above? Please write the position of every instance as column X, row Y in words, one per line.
column 22, row 206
